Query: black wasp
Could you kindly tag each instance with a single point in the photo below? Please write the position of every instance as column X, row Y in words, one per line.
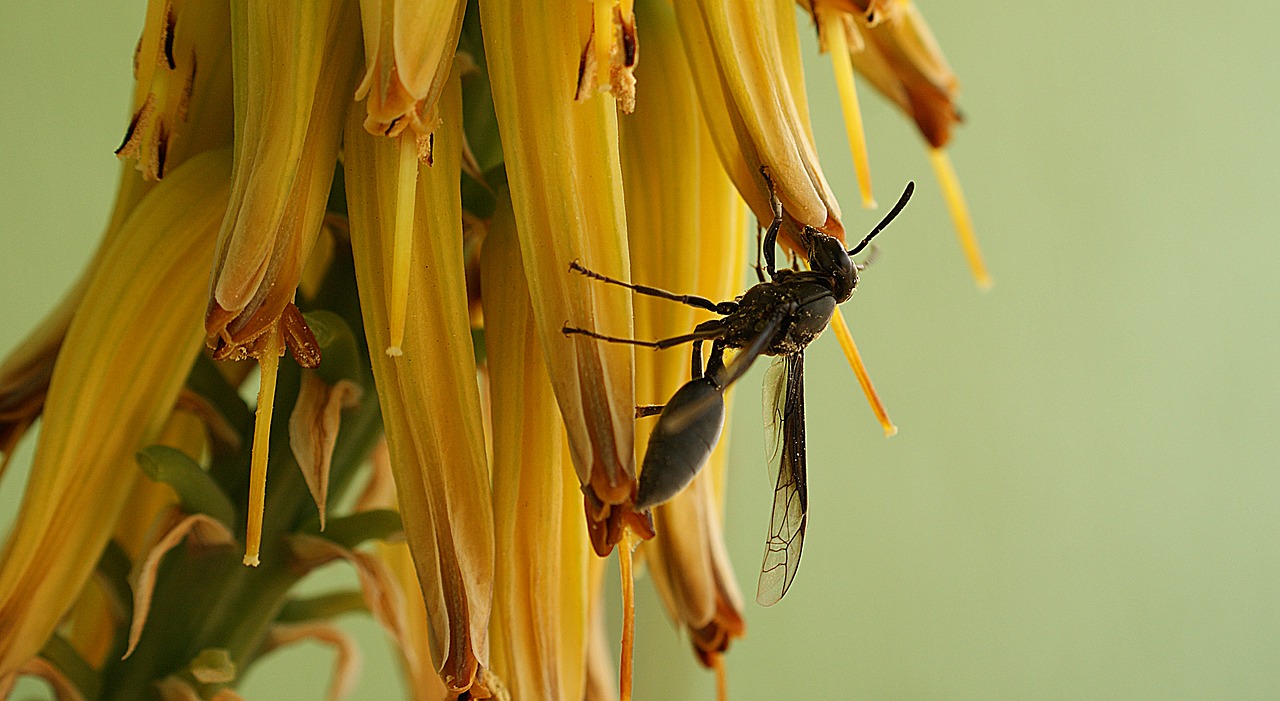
column 778, row 317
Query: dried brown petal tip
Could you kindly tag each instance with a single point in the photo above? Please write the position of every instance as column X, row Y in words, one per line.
column 302, row 344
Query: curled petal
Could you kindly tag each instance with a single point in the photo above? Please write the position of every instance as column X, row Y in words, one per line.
column 199, row 529
column 345, row 669
column 313, row 430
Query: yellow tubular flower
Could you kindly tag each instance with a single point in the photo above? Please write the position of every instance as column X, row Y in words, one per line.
column 408, row 48
column 183, row 56
column 540, row 601
column 901, row 58
column 295, row 67
column 408, row 629
column 737, row 48
column 126, row 355
column 92, row 628
column 430, row 402
column 687, row 233
column 566, row 188
column 200, row 37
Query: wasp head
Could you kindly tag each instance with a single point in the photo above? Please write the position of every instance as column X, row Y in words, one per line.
column 827, row 255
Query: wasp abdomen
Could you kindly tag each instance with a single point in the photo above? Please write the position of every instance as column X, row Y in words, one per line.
column 679, row 447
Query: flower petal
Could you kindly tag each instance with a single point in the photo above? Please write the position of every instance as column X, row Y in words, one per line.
column 566, row 188
column 438, row 456
column 202, row 530
column 313, row 430
column 126, row 354
column 540, row 597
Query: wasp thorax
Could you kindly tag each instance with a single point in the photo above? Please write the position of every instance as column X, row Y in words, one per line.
column 827, row 255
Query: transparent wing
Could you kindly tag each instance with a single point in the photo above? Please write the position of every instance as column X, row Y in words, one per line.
column 775, row 401
column 784, row 419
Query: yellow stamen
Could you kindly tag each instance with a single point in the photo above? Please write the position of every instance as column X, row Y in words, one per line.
column 960, row 215
column 269, row 362
column 833, row 31
column 406, row 189
column 603, row 43
column 855, row 360
column 722, row 678
column 628, row 617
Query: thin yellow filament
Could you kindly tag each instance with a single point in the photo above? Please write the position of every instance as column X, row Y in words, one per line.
column 628, row 617
column 833, row 31
column 603, row 43
column 722, row 677
column 268, row 362
column 406, row 190
column 954, row 196
column 860, row 370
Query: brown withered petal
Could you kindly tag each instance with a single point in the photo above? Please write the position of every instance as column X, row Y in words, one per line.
column 900, row 57
column 346, row 668
column 182, row 70
column 198, row 529
column 63, row 689
column 313, row 430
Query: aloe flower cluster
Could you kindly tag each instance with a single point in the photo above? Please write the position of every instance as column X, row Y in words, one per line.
column 375, row 205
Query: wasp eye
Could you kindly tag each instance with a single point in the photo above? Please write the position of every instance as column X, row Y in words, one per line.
column 827, row 254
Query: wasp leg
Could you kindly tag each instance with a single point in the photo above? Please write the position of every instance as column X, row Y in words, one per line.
column 644, row 410
column 759, row 268
column 771, row 236
column 691, row 300
column 705, row 330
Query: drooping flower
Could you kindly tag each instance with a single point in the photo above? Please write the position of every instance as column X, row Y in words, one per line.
column 403, row 220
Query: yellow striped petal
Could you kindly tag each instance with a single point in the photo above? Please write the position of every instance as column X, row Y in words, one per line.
column 438, row 456
column 127, row 353
column 687, row 233
column 566, row 188
column 298, row 63
column 747, row 53
column 408, row 48
column 540, row 600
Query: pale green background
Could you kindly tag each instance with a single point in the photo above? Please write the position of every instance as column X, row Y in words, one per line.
column 1082, row 501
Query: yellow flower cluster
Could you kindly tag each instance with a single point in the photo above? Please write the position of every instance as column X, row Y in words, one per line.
column 480, row 149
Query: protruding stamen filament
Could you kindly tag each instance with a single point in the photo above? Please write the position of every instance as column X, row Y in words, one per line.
column 268, row 362
column 833, row 31
column 855, row 360
column 402, row 252
column 603, row 45
column 628, row 617
column 951, row 191
column 722, row 677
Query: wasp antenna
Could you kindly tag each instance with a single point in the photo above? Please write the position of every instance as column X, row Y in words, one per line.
column 897, row 208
